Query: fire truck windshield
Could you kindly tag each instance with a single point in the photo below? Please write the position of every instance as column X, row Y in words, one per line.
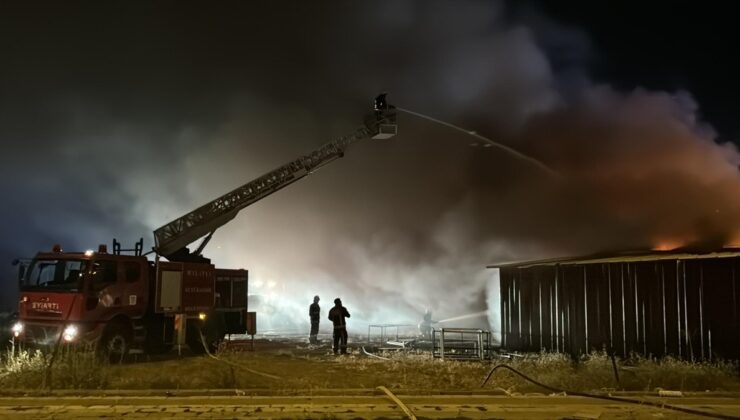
column 61, row 275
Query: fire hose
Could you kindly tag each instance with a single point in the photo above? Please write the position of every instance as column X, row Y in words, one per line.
column 237, row 365
column 367, row 353
column 398, row 402
column 608, row 397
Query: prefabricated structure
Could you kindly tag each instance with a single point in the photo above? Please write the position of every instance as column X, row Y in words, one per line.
column 656, row 303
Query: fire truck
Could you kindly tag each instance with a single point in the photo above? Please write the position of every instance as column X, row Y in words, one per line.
column 120, row 300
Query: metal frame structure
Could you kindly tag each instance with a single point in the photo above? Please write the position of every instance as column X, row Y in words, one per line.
column 462, row 344
column 383, row 331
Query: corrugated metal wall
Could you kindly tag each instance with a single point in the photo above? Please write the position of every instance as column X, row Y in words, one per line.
column 685, row 308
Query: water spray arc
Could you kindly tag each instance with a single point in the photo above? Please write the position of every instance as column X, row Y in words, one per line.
column 489, row 142
column 467, row 316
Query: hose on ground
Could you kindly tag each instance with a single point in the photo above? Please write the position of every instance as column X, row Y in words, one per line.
column 398, row 402
column 607, row 397
column 214, row 357
column 367, row 353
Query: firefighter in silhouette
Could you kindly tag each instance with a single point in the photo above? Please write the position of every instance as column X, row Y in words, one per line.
column 380, row 103
column 314, row 312
column 425, row 327
column 337, row 315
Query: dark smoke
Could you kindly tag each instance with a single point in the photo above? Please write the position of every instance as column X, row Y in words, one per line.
column 118, row 142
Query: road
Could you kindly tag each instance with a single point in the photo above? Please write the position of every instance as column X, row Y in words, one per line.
column 351, row 407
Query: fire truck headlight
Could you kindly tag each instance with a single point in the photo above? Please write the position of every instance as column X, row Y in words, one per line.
column 70, row 333
column 17, row 329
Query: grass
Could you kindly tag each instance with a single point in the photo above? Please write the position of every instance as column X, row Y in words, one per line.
column 71, row 368
column 301, row 369
column 595, row 373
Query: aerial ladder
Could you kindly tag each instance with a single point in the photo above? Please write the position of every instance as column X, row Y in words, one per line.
column 172, row 239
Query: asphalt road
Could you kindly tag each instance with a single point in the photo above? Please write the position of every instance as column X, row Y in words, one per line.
column 352, row 407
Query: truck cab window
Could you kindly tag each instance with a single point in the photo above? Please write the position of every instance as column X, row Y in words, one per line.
column 104, row 273
column 54, row 274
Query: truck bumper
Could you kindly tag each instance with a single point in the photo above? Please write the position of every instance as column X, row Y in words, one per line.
column 49, row 333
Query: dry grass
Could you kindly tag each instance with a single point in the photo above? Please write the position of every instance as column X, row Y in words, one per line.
column 73, row 368
column 302, row 369
column 637, row 374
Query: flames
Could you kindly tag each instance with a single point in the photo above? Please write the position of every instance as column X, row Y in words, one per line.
column 671, row 244
column 668, row 244
column 734, row 241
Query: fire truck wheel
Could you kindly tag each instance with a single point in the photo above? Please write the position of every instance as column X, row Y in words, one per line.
column 115, row 343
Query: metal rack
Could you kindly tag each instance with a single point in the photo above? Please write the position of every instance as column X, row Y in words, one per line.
column 387, row 332
column 462, row 344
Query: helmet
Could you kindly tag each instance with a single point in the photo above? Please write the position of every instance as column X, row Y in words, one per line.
column 316, row 298
column 337, row 301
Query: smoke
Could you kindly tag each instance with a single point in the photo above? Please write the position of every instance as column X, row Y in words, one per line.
column 397, row 226
column 642, row 170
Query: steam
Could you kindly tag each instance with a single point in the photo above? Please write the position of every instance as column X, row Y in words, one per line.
column 398, row 226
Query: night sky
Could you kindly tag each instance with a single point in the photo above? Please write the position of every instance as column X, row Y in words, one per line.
column 664, row 45
column 118, row 117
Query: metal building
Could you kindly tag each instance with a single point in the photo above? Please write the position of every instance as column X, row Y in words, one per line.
column 654, row 304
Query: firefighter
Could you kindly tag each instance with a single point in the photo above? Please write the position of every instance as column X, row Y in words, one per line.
column 380, row 103
column 314, row 311
column 337, row 315
column 425, row 327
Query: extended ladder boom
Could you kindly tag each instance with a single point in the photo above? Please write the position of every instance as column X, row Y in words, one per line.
column 172, row 239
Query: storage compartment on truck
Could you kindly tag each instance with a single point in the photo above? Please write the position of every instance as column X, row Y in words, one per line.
column 231, row 299
column 185, row 287
column 231, row 289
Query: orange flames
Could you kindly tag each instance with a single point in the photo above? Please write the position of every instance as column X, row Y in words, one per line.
column 668, row 245
column 734, row 241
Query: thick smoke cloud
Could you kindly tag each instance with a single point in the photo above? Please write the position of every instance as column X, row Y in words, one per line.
column 169, row 119
column 640, row 170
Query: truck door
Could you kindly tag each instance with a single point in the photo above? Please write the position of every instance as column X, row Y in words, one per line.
column 116, row 287
column 134, row 276
column 103, row 296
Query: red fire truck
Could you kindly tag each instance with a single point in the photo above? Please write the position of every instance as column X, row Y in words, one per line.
column 122, row 300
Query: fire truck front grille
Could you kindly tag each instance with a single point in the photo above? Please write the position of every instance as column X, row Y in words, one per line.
column 41, row 334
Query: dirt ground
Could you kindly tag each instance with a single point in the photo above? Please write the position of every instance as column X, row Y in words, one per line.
column 291, row 365
column 287, row 378
column 351, row 407
column 285, row 365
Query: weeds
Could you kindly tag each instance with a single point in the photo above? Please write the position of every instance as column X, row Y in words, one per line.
column 79, row 368
column 636, row 374
column 22, row 368
column 75, row 368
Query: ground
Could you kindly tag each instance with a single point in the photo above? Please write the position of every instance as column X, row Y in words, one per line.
column 349, row 407
column 283, row 378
